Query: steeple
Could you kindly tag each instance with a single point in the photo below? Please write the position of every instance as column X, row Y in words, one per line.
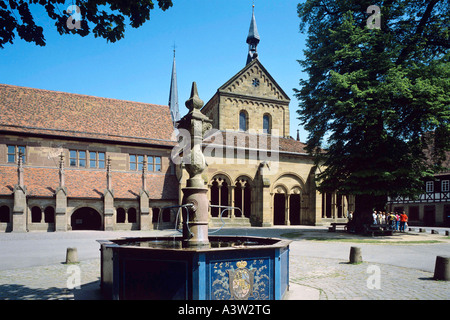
column 173, row 95
column 252, row 39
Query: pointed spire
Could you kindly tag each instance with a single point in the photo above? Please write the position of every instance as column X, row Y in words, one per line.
column 252, row 39
column 173, row 95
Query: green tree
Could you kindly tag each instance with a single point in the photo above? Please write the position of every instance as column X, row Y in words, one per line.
column 106, row 17
column 377, row 97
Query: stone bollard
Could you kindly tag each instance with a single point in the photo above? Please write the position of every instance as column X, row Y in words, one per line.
column 442, row 268
column 355, row 255
column 71, row 255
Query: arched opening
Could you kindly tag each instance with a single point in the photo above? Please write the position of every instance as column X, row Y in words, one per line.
column 215, row 196
column 132, row 215
column 279, row 209
column 238, row 199
column 166, row 215
column 86, row 219
column 243, row 197
column 120, row 215
column 294, row 209
column 220, row 195
column 5, row 216
column 155, row 214
column 36, row 215
column 49, row 215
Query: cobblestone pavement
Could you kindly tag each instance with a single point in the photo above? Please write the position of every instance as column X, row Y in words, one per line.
column 327, row 279
column 339, row 280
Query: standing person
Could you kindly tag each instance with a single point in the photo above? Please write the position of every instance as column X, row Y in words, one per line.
column 392, row 220
column 403, row 220
column 397, row 221
column 374, row 216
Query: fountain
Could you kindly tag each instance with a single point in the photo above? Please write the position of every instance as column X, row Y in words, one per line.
column 195, row 266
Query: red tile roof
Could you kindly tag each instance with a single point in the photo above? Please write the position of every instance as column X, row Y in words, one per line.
column 261, row 141
column 42, row 182
column 63, row 114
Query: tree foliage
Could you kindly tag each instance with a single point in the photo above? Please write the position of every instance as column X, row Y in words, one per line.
column 106, row 17
column 377, row 97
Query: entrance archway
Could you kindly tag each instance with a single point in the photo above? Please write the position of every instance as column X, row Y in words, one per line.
column 294, row 209
column 86, row 219
column 279, row 209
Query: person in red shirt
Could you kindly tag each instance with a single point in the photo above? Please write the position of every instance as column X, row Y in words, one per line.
column 403, row 220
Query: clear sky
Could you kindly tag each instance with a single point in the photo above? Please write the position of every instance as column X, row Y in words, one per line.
column 210, row 44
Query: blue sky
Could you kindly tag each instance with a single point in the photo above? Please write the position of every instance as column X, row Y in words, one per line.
column 210, row 48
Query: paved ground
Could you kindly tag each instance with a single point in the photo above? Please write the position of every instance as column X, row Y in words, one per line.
column 396, row 268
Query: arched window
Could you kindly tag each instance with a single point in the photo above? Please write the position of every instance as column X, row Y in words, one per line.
column 267, row 124
column 36, row 215
column 132, row 215
column 4, row 214
column 120, row 217
column 49, row 215
column 243, row 119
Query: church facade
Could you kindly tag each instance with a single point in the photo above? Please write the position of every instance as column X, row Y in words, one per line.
column 257, row 174
column 76, row 162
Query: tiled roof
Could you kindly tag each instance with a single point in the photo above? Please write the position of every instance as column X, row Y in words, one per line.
column 262, row 141
column 42, row 182
column 63, row 114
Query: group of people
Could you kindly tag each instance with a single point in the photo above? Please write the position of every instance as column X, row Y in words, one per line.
column 394, row 220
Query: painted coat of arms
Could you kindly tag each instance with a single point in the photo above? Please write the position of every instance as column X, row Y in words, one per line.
column 241, row 281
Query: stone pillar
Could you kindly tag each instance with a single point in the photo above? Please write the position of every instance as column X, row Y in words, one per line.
column 144, row 201
column 19, row 221
column 442, row 268
column 196, row 219
column 61, row 199
column 231, row 195
column 264, row 203
column 286, row 212
column 333, row 206
column 108, row 199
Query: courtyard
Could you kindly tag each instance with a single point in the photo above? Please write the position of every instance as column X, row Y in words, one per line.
column 397, row 267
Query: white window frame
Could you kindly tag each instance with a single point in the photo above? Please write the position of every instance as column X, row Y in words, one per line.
column 445, row 185
column 429, row 187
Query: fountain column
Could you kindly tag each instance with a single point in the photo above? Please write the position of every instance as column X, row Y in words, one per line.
column 196, row 217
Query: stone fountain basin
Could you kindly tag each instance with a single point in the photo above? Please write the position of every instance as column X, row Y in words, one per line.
column 161, row 268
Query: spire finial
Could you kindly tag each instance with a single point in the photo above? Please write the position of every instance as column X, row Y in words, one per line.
column 252, row 38
column 173, row 94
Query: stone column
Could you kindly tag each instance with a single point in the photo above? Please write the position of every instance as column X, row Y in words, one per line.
column 286, row 216
column 108, row 199
column 231, row 190
column 61, row 199
column 144, row 201
column 195, row 221
column 19, row 221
